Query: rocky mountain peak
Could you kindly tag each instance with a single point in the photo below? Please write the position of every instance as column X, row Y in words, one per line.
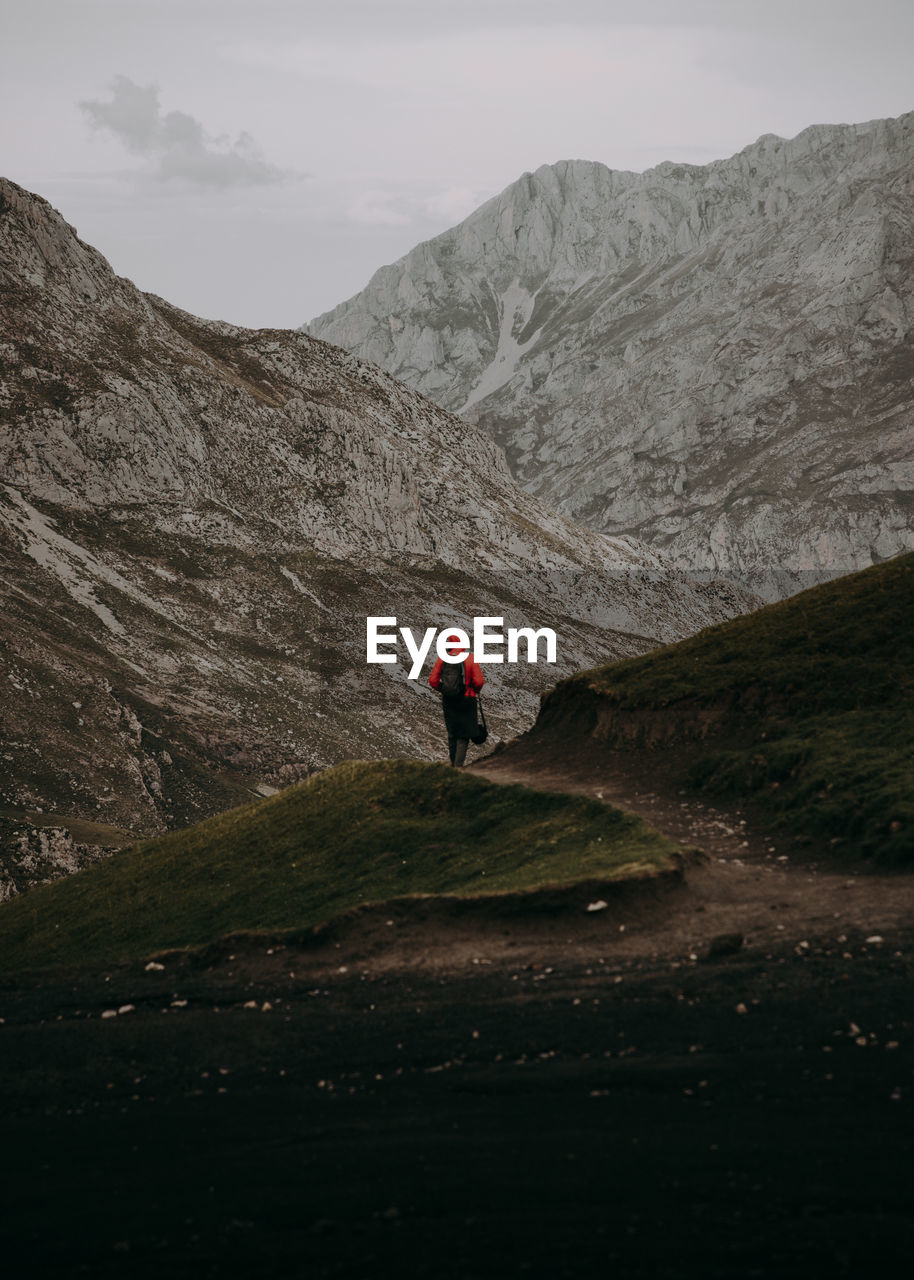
column 675, row 354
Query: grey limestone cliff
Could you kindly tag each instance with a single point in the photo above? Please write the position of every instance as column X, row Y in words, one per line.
column 717, row 359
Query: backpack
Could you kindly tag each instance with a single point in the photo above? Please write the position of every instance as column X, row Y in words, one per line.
column 453, row 682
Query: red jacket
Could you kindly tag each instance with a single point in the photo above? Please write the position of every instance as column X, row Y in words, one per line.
column 472, row 675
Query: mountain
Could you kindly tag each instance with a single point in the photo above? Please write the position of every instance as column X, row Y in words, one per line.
column 804, row 710
column 715, row 359
column 195, row 521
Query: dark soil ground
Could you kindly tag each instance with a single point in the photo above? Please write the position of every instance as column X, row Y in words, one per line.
column 545, row 1092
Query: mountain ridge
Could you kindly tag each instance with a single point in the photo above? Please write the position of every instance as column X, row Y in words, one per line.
column 626, row 178
column 670, row 354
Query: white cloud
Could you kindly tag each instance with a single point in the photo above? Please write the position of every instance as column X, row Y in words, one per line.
column 375, row 209
column 384, row 207
column 455, row 204
column 175, row 142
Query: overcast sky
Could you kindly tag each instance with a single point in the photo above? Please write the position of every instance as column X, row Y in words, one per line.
column 256, row 160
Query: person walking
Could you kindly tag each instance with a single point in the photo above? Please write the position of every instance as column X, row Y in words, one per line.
column 459, row 684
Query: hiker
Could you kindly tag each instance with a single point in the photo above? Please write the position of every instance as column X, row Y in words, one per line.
column 458, row 683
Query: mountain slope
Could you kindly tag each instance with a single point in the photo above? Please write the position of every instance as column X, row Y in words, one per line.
column 804, row 708
column 717, row 359
column 195, row 521
column 353, row 835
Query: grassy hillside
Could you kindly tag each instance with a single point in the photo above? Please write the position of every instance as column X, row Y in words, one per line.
column 813, row 698
column 361, row 832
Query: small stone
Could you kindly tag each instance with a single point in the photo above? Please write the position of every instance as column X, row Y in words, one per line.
column 741, row 1008
column 127, row 1008
column 154, row 967
column 599, row 905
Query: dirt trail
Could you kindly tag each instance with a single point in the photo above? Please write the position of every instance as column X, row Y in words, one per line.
column 787, row 897
column 772, row 888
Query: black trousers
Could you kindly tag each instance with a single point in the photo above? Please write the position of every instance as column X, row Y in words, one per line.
column 460, row 720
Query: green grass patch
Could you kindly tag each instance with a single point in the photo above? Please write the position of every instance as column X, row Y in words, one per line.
column 358, row 833
column 819, row 698
column 846, row 643
column 835, row 777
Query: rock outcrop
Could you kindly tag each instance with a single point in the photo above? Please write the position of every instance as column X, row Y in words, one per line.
column 716, row 359
column 32, row 856
column 195, row 521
